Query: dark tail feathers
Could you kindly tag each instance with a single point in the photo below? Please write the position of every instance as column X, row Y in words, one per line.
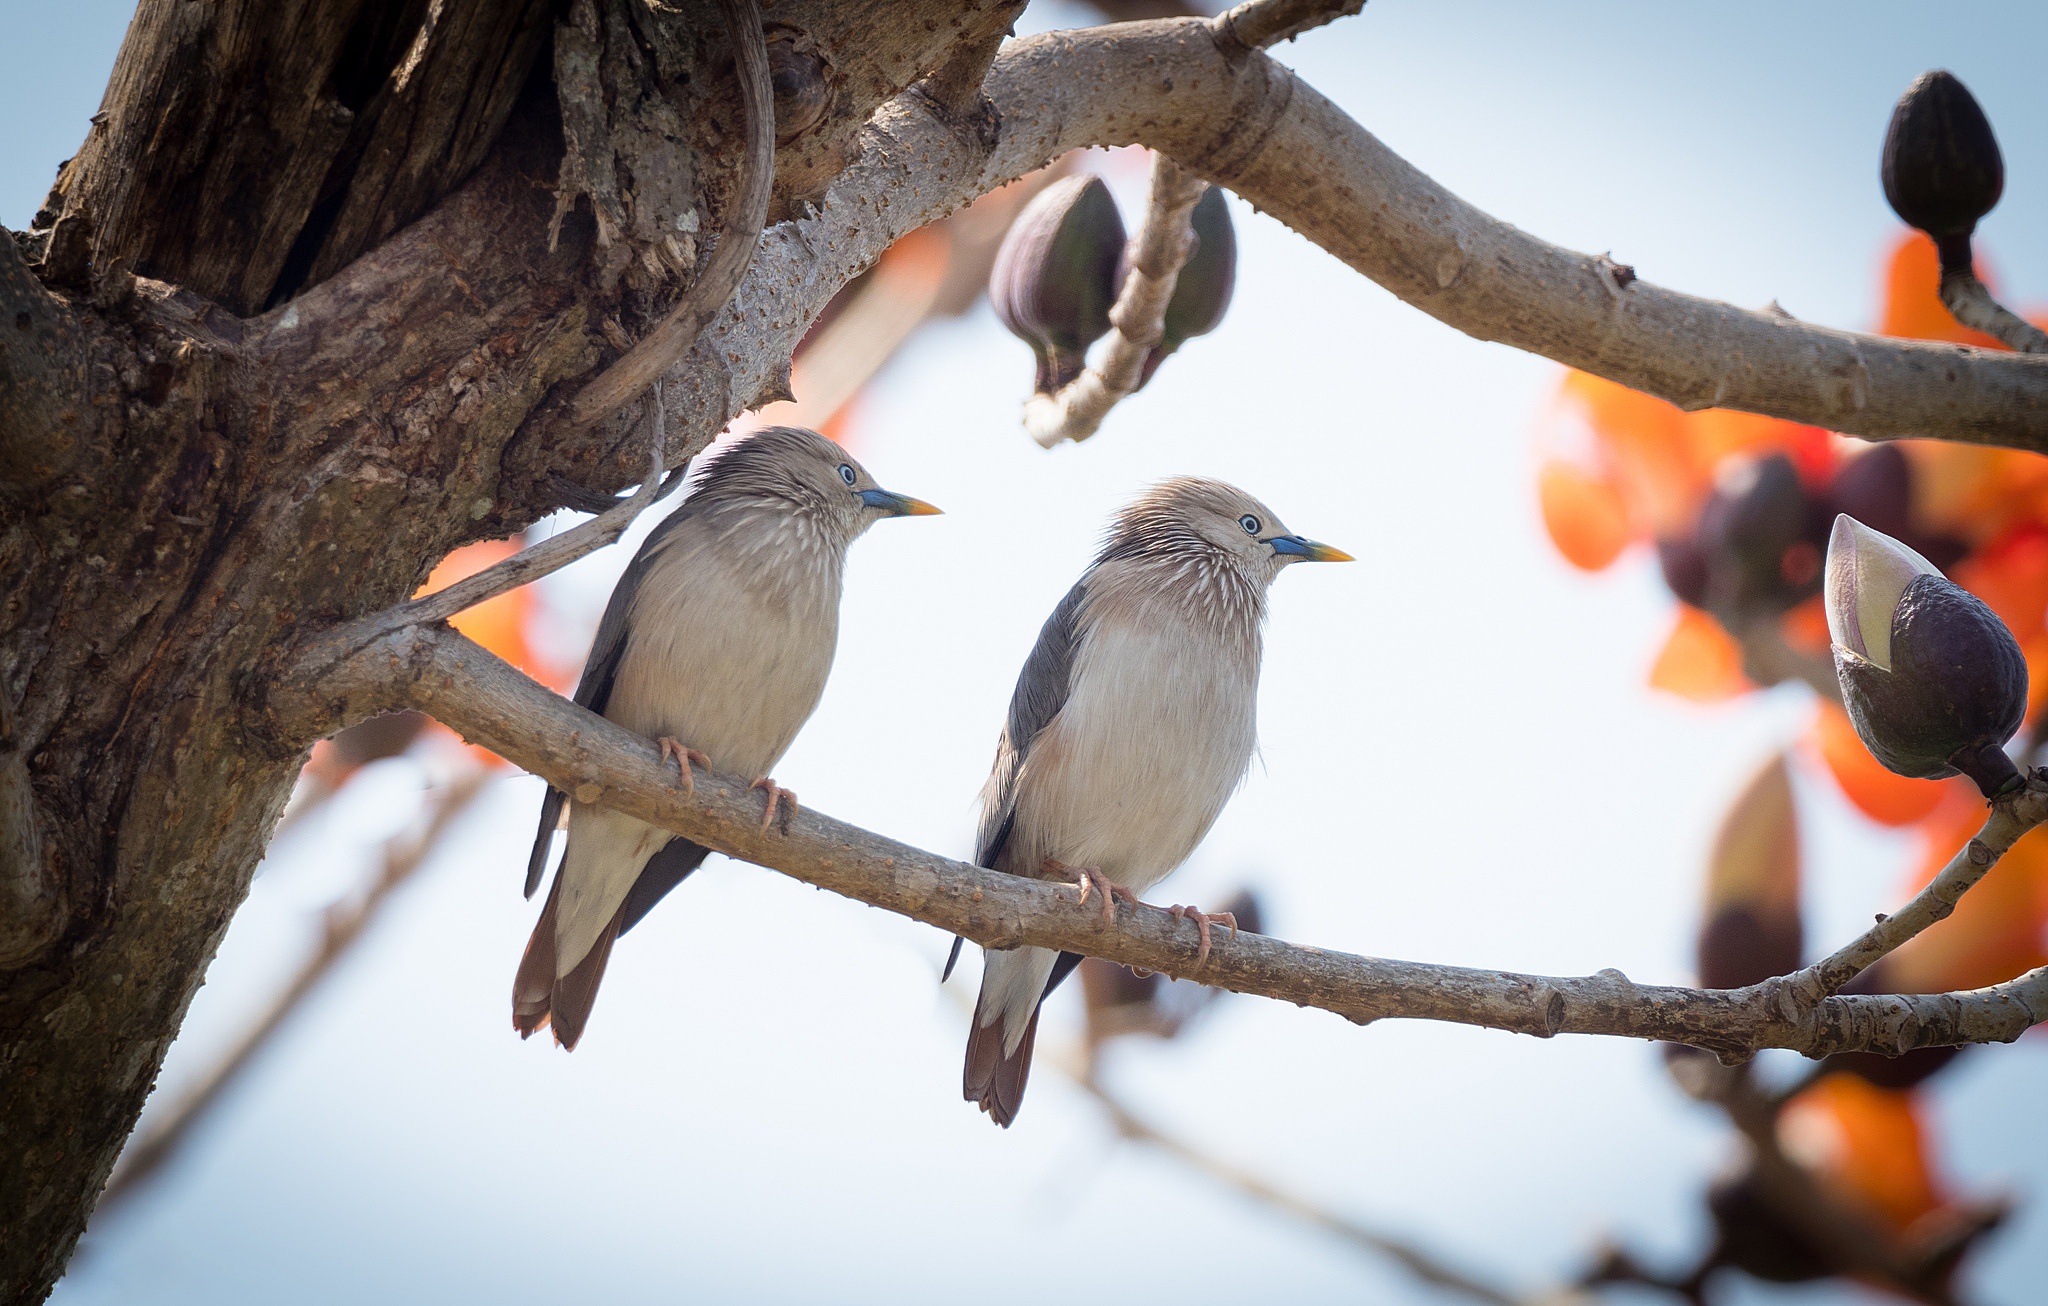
column 540, row 998
column 995, row 1082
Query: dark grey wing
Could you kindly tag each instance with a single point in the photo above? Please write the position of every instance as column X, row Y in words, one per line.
column 600, row 669
column 1042, row 688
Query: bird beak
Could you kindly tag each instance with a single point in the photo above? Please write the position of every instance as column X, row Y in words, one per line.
column 1294, row 546
column 896, row 505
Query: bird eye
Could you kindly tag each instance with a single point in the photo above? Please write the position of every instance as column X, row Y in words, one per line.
column 1250, row 524
column 846, row 473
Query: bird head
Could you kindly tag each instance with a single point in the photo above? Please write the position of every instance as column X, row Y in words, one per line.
column 800, row 470
column 1191, row 514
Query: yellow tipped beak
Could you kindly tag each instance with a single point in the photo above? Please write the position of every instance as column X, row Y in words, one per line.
column 897, row 505
column 1308, row 550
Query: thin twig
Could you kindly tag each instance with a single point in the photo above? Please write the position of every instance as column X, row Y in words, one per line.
column 664, row 346
column 551, row 554
column 343, row 924
column 1257, row 24
column 1969, row 302
column 2011, row 817
column 1416, row 1261
column 433, row 668
column 1137, row 320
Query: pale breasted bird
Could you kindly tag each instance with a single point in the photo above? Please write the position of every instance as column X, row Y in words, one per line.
column 716, row 644
column 1131, row 724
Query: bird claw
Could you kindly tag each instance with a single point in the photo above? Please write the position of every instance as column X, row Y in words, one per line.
column 1203, row 921
column 777, row 796
column 1088, row 879
column 685, row 757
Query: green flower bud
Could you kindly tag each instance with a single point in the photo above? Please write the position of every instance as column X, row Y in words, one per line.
column 1932, row 679
column 1942, row 170
column 1054, row 278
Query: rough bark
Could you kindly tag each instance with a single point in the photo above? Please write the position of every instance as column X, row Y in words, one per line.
column 184, row 489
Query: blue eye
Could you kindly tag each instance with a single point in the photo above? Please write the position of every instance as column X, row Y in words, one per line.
column 1250, row 524
column 846, row 473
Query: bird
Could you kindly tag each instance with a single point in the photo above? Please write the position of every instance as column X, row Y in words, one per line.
column 1132, row 723
column 716, row 644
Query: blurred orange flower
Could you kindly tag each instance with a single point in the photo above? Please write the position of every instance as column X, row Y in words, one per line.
column 1699, row 661
column 1884, row 796
column 1866, row 1144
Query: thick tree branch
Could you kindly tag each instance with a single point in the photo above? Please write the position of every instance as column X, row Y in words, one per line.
column 1240, row 120
column 1137, row 319
column 346, row 676
column 661, row 348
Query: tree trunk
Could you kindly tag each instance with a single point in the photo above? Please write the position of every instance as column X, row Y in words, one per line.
column 303, row 315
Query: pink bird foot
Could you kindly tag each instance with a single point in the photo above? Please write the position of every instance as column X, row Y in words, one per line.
column 1089, row 879
column 685, row 757
column 1203, row 921
column 777, row 796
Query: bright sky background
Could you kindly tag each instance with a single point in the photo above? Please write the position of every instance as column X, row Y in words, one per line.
column 1460, row 764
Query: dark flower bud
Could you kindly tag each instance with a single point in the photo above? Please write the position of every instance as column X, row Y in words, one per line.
column 1758, row 541
column 1751, row 929
column 1942, row 170
column 1876, row 488
column 1055, row 276
column 1202, row 293
column 1932, row 679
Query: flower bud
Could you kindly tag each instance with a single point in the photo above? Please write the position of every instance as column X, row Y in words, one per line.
column 1206, row 281
column 1054, row 278
column 1942, row 170
column 1933, row 681
column 1751, row 927
column 1756, row 548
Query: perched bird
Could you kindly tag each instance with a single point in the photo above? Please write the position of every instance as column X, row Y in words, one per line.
column 716, row 643
column 1132, row 723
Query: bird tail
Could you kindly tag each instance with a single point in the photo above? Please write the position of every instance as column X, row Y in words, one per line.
column 1005, row 1028
column 540, row 997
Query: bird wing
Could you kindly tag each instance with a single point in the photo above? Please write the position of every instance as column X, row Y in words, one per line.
column 600, row 670
column 1042, row 689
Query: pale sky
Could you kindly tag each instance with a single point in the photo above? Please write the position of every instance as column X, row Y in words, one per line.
column 1460, row 763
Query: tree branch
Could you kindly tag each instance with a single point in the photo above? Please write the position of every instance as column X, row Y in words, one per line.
column 549, row 555
column 1240, row 120
column 351, row 673
column 1137, row 319
column 1257, row 24
column 1969, row 302
column 664, row 346
column 2011, row 817
column 1409, row 1257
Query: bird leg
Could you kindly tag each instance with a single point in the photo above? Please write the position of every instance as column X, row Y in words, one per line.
column 685, row 757
column 1091, row 879
column 1203, row 920
column 777, row 795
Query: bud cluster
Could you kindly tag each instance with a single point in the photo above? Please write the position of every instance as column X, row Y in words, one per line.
column 1063, row 260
